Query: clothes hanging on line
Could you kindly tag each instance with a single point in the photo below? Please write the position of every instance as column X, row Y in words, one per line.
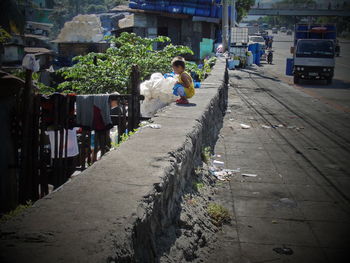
column 93, row 111
column 72, row 143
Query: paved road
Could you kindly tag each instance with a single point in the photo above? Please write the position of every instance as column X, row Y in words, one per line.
column 336, row 94
column 301, row 194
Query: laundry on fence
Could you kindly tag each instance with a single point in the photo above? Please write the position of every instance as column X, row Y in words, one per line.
column 72, row 143
column 93, row 111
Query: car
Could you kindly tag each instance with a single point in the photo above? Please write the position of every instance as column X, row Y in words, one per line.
column 289, row 32
column 283, row 29
column 274, row 30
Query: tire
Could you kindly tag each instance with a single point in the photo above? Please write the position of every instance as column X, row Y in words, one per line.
column 329, row 81
column 296, row 79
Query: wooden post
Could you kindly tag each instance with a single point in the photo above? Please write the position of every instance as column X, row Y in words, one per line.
column 35, row 149
column 134, row 107
column 25, row 182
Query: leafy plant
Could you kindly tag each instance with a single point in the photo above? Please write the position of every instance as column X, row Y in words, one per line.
column 16, row 211
column 206, row 154
column 123, row 138
column 110, row 71
column 197, row 186
column 43, row 89
column 218, row 214
column 4, row 35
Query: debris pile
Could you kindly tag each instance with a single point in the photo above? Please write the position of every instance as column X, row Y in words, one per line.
column 158, row 92
column 82, row 28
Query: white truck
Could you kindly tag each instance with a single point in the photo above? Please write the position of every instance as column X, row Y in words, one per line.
column 314, row 52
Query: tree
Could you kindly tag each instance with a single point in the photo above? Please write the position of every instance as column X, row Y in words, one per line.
column 4, row 36
column 12, row 17
column 110, row 71
column 243, row 7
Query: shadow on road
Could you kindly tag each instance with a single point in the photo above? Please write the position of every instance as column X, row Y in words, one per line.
column 254, row 71
column 321, row 84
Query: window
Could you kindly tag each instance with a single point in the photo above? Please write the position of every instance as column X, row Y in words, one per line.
column 321, row 49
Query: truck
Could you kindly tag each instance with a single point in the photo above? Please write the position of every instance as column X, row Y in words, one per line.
column 253, row 30
column 314, row 52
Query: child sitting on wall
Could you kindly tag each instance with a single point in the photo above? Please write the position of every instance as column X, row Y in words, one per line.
column 184, row 87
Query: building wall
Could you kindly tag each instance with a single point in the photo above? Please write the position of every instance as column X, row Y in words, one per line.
column 13, row 54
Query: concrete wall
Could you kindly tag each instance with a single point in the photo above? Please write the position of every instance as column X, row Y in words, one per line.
column 116, row 210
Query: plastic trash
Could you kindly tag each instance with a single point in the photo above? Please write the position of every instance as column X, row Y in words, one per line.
column 154, row 126
column 29, row 62
column 216, row 162
column 250, row 175
column 158, row 92
column 245, row 126
column 224, row 174
column 266, row 127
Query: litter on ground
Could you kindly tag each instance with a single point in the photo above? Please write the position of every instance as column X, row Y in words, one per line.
column 250, row 175
column 245, row 126
column 216, row 162
column 153, row 126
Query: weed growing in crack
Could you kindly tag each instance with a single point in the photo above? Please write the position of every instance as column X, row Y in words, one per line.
column 206, row 154
column 16, row 211
column 218, row 214
column 197, row 186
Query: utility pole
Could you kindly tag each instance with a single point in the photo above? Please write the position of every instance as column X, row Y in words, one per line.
column 225, row 26
column 233, row 16
column 233, row 20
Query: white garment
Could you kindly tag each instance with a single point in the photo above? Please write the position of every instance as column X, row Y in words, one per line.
column 72, row 143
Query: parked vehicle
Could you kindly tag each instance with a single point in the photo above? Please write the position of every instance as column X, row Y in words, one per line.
column 314, row 51
column 289, row 32
column 257, row 39
column 253, row 30
column 283, row 29
column 274, row 30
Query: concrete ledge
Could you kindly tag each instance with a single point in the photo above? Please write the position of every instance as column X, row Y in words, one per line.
column 115, row 210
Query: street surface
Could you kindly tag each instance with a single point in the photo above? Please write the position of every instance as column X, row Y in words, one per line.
column 295, row 206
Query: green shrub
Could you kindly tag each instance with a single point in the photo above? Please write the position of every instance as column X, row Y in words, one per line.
column 218, row 214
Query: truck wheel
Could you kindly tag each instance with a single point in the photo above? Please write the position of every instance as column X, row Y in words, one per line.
column 329, row 81
column 296, row 80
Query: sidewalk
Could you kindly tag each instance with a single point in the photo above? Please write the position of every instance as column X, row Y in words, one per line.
column 287, row 205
